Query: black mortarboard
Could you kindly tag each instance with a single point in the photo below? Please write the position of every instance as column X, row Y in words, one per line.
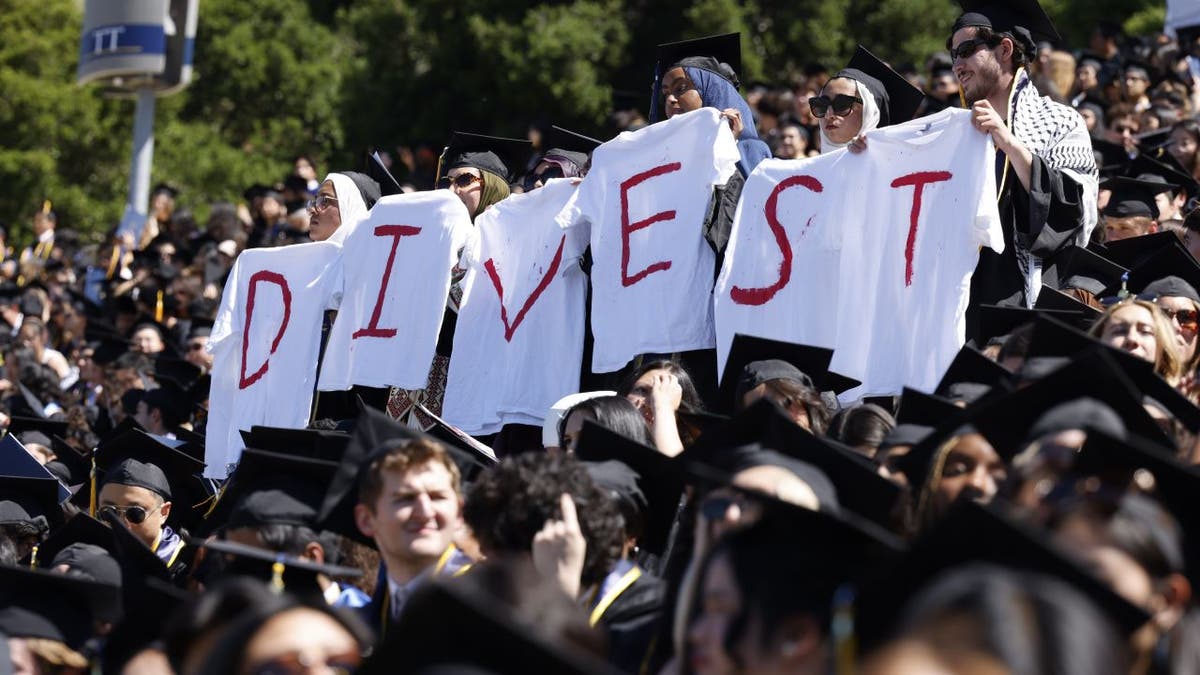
column 970, row 367
column 970, row 533
column 183, row 373
column 170, row 399
column 997, row 321
column 80, row 529
column 659, row 478
column 429, row 638
column 374, row 434
column 107, row 351
column 1164, row 170
column 19, row 425
column 295, row 575
column 1079, row 267
column 269, row 488
column 747, row 349
column 720, row 54
column 897, row 98
column 388, row 185
column 24, row 499
column 311, row 443
column 860, row 487
column 1132, row 252
column 501, row 157
column 723, row 469
column 1132, row 197
column 42, row 604
column 929, row 410
column 574, row 147
column 1169, row 271
column 200, row 327
column 1111, row 158
column 15, row 461
column 1054, row 300
column 1024, row 19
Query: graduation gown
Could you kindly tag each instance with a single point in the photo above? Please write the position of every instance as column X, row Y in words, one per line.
column 632, row 619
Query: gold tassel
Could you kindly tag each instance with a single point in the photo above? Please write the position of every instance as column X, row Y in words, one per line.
column 277, row 569
column 33, row 557
column 845, row 642
column 158, row 307
column 112, row 263
column 46, row 207
column 92, row 489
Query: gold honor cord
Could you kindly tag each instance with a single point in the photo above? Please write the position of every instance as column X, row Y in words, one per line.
column 621, row 586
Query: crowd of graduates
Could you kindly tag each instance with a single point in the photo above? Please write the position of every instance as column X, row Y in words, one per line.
column 1032, row 514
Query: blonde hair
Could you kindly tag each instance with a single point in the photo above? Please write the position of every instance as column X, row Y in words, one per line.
column 1167, row 362
column 1061, row 71
column 54, row 653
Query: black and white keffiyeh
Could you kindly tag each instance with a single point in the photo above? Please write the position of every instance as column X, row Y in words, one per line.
column 1057, row 134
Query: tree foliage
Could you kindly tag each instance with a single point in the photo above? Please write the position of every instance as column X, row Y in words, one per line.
column 330, row 78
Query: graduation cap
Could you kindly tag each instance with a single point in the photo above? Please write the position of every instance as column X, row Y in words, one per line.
column 310, row 443
column 41, row 604
column 270, row 488
column 720, row 54
column 1132, row 252
column 168, row 366
column 1170, row 271
column 974, row 534
column 859, row 486
column 969, row 372
column 997, row 321
column 24, row 499
column 21, row 425
column 917, row 417
column 80, row 529
column 1111, row 158
column 1132, row 197
column 1024, row 19
column 429, row 635
column 574, row 147
column 157, row 464
column 897, row 98
column 502, row 157
column 1081, row 268
column 69, row 465
column 374, row 434
column 281, row 571
column 171, row 399
column 15, row 461
column 375, row 169
column 1165, row 170
column 812, row 362
column 165, row 188
column 658, row 478
column 1057, row 301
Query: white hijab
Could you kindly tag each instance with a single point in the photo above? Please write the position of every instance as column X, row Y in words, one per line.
column 870, row 118
column 351, row 206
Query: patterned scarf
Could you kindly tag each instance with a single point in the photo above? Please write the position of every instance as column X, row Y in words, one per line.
column 1058, row 135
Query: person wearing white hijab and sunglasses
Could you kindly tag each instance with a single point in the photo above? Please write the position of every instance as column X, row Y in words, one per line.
column 865, row 95
column 342, row 200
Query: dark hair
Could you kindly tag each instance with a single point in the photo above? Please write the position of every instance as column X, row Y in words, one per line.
column 1030, row 622
column 1019, row 57
column 818, row 412
column 614, row 413
column 210, row 611
column 286, row 538
column 229, row 651
column 862, row 425
column 511, row 502
column 691, row 401
column 1017, row 344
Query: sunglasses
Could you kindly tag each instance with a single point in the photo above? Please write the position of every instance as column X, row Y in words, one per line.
column 1186, row 318
column 461, row 181
column 840, row 104
column 132, row 514
column 531, row 180
column 967, row 49
column 320, row 202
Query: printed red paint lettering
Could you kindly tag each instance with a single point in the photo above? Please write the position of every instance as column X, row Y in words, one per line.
column 918, row 180
column 628, row 228
column 761, row 296
column 511, row 328
column 266, row 277
column 395, row 232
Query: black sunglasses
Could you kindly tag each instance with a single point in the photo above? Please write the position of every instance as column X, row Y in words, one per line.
column 967, row 48
column 461, row 181
column 133, row 514
column 531, row 180
column 841, row 105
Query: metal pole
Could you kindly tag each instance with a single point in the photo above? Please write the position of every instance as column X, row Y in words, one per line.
column 143, row 159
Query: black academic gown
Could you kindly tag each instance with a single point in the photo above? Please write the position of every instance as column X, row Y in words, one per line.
column 632, row 620
column 1042, row 220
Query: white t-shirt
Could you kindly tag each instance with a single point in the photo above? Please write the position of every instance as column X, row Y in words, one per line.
column 783, row 254
column 903, row 292
column 397, row 273
column 645, row 201
column 515, row 356
column 265, row 343
column 891, row 307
